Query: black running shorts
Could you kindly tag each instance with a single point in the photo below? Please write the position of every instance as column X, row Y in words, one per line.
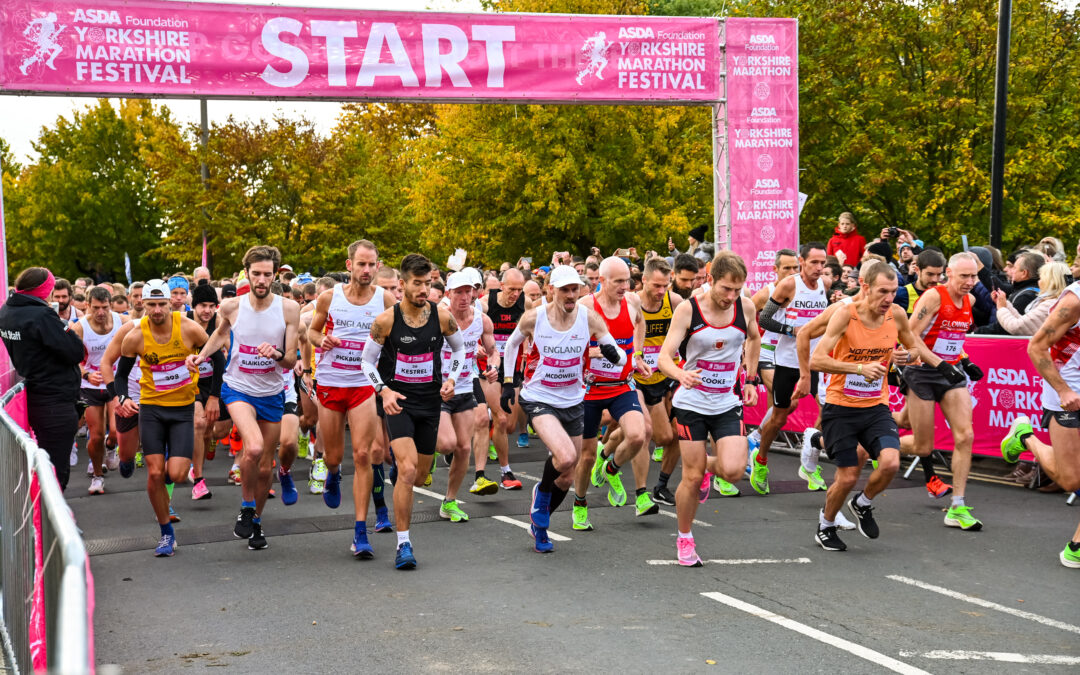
column 846, row 428
column 167, row 428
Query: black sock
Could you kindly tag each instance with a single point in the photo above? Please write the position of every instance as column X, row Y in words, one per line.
column 612, row 467
column 377, row 483
column 664, row 478
column 640, row 491
column 928, row 466
column 547, row 482
column 817, row 441
column 479, row 475
column 1023, row 439
column 557, row 497
column 1074, row 546
column 580, row 501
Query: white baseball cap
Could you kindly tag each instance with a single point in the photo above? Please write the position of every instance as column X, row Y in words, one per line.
column 458, row 280
column 155, row 289
column 473, row 275
column 564, row 275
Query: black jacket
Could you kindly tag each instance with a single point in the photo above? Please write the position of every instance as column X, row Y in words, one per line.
column 45, row 354
column 1023, row 292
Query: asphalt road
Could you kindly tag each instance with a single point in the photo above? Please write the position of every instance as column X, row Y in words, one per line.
column 922, row 598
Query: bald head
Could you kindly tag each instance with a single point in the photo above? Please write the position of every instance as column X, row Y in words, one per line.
column 616, row 278
column 613, row 268
column 200, row 274
column 513, row 276
column 532, row 291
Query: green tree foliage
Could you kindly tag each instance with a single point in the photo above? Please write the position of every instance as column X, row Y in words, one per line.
column 89, row 197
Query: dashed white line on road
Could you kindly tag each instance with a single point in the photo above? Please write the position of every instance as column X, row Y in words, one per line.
column 672, row 514
column 525, row 526
column 1008, row 657
column 742, row 561
column 985, row 603
column 428, row 493
column 821, row 636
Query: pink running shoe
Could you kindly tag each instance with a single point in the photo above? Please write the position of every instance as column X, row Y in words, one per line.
column 688, row 556
column 200, row 491
column 706, row 485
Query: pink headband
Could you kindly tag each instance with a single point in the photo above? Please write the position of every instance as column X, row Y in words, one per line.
column 43, row 290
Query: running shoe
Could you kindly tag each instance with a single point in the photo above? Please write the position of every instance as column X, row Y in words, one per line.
column 302, row 446
column 703, row 489
column 289, row 494
column 595, row 476
column 645, row 506
column 539, row 511
column 523, row 440
column 112, row 459
column 431, row 472
column 234, row 475
column 83, row 432
column 808, row 456
column 759, row 474
column 332, row 494
column 257, row 540
column 842, row 522
column 174, row 517
column 245, row 523
column 828, row 539
column 74, row 458
column 864, row 518
column 316, row 487
column 127, row 469
column 360, row 548
column 200, row 491
column 540, row 538
column 493, row 456
column 725, row 488
column 509, row 482
column 110, row 442
column 483, row 486
column 1070, row 558
column 873, row 464
column 1011, row 447
column 404, row 560
column 752, row 445
column 138, row 459
column 937, row 488
column 211, row 452
column 319, row 470
column 580, row 518
column 658, row 453
column 532, row 432
column 960, row 516
column 814, row 481
column 90, row 468
column 663, row 495
column 166, row 546
column 616, row 494
column 191, row 474
column 97, row 486
column 687, row 552
column 382, row 520
column 452, row 512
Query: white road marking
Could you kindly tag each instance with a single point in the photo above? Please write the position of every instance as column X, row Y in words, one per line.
column 1008, row 657
column 985, row 603
column 526, row 475
column 742, row 561
column 821, row 636
column 672, row 514
column 428, row 493
column 525, row 526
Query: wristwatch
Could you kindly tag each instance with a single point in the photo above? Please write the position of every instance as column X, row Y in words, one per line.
column 379, row 386
column 755, row 380
column 121, row 398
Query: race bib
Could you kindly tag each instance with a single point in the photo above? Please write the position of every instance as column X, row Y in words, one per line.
column 949, row 344
column 415, row 368
column 206, row 368
column 560, row 372
column 717, row 377
column 168, row 376
column 651, row 354
column 856, row 386
column 252, row 362
column 347, row 355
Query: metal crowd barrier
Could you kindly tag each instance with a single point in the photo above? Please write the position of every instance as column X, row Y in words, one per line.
column 64, row 580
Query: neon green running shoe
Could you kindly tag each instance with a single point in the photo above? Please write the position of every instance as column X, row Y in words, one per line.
column 580, row 517
column 960, row 516
column 759, row 475
column 658, row 453
column 1070, row 558
column 814, row 481
column 725, row 488
column 138, row 459
column 873, row 464
column 452, row 512
column 595, row 477
column 431, row 473
column 1011, row 447
column 616, row 494
column 645, row 505
column 302, row 446
column 492, row 455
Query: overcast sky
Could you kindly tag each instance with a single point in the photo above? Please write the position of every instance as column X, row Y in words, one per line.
column 23, row 116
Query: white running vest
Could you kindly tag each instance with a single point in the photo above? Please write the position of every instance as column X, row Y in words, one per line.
column 717, row 351
column 247, row 371
column 559, row 357
column 340, row 366
column 471, row 335
column 1064, row 353
column 95, row 347
column 806, row 304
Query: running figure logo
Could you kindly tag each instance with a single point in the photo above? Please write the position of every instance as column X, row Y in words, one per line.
column 42, row 33
column 595, row 52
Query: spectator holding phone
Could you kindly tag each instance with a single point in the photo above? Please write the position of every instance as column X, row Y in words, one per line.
column 1052, row 282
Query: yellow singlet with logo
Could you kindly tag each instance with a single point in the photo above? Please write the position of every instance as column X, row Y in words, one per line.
column 166, row 380
column 656, row 329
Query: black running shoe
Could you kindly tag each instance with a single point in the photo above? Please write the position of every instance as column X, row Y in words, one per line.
column 661, row 494
column 257, row 542
column 828, row 539
column 245, row 523
column 864, row 518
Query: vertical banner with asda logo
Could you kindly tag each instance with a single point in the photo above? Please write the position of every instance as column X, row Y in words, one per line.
column 762, row 141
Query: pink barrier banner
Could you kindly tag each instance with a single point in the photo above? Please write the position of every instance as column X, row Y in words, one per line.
column 1010, row 386
column 162, row 48
column 763, row 141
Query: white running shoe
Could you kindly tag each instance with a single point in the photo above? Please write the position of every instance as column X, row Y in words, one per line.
column 97, row 486
column 74, row 455
column 809, row 455
column 90, row 468
column 842, row 522
column 112, row 460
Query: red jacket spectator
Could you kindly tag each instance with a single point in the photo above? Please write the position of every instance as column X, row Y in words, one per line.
column 848, row 240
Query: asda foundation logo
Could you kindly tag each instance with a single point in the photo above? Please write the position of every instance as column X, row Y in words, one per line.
column 635, row 33
column 762, row 42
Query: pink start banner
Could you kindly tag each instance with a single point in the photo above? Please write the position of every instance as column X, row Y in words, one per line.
column 1010, row 386
column 762, row 141
column 182, row 49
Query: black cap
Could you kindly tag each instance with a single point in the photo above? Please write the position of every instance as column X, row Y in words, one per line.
column 203, row 293
column 228, row 291
column 698, row 233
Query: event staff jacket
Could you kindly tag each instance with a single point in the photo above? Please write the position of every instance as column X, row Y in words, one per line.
column 45, row 354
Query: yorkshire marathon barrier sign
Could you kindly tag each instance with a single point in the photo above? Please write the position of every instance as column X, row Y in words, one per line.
column 182, row 49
